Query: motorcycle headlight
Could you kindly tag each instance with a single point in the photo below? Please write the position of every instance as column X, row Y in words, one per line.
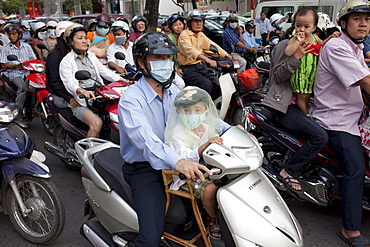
column 38, row 67
column 6, row 114
column 111, row 96
column 120, row 90
column 251, row 155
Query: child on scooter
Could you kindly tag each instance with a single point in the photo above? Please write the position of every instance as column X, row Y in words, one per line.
column 304, row 77
column 192, row 125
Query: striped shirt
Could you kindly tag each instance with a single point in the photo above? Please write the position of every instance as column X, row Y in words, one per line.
column 24, row 53
column 230, row 39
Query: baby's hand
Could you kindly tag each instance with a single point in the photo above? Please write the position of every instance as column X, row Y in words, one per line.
column 336, row 34
column 301, row 36
column 216, row 139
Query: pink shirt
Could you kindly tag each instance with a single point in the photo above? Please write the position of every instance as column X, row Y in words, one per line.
column 338, row 103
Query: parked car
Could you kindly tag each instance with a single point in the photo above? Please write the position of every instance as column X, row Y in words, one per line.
column 220, row 19
column 213, row 30
column 84, row 19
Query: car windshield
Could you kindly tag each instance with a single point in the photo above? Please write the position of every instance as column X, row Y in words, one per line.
column 212, row 25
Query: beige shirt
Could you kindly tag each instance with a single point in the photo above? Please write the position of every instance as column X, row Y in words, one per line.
column 192, row 44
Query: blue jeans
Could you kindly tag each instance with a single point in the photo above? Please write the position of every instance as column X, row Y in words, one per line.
column 304, row 127
column 349, row 151
column 149, row 196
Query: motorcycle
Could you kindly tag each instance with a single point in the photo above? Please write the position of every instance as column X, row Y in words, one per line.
column 29, row 197
column 320, row 182
column 69, row 129
column 252, row 213
column 236, row 90
column 35, row 104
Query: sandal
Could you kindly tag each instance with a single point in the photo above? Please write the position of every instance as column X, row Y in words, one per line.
column 359, row 241
column 289, row 184
column 214, row 228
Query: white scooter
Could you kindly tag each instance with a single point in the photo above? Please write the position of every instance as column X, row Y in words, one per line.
column 252, row 213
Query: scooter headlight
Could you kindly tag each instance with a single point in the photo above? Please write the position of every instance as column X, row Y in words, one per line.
column 38, row 67
column 251, row 155
column 7, row 113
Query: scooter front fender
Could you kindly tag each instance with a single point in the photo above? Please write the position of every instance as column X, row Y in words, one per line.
column 22, row 165
column 227, row 89
column 256, row 214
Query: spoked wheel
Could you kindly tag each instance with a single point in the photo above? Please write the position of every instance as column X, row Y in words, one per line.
column 45, row 221
column 49, row 121
column 63, row 141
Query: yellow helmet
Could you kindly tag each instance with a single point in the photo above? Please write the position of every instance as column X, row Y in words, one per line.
column 353, row 6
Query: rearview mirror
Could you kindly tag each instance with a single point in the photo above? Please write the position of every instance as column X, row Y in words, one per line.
column 82, row 75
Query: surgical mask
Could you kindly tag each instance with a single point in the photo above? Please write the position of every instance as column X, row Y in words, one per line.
column 233, row 25
column 42, row 35
column 102, row 31
column 193, row 121
column 120, row 40
column 161, row 70
column 51, row 33
column 282, row 25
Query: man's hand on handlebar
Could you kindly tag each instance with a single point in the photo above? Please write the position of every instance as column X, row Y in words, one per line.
column 191, row 169
column 121, row 70
column 87, row 94
column 212, row 63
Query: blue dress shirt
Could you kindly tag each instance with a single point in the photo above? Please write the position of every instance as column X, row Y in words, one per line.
column 249, row 40
column 231, row 38
column 265, row 25
column 142, row 117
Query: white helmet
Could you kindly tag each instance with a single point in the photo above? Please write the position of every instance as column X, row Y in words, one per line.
column 62, row 26
column 324, row 21
column 275, row 18
column 25, row 24
column 39, row 25
column 120, row 25
column 353, row 6
column 51, row 24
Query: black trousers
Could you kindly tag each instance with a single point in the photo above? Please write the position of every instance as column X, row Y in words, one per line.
column 197, row 75
column 150, row 201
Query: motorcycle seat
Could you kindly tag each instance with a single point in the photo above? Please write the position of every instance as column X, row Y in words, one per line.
column 108, row 163
column 263, row 66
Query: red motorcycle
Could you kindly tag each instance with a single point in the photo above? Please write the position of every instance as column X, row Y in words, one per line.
column 320, row 181
column 69, row 129
column 35, row 105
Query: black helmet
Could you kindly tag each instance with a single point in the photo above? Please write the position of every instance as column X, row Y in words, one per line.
column 173, row 18
column 103, row 19
column 249, row 25
column 13, row 27
column 195, row 14
column 232, row 18
column 136, row 19
column 153, row 43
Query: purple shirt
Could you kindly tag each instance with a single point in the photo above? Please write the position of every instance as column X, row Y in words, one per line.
column 338, row 102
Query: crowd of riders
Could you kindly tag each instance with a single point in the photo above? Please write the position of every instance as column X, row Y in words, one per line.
column 179, row 56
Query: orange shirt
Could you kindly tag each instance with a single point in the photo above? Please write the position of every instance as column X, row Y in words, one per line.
column 192, row 44
column 91, row 35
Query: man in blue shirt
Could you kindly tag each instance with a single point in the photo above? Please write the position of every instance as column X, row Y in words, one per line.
column 232, row 41
column 248, row 36
column 265, row 28
column 143, row 111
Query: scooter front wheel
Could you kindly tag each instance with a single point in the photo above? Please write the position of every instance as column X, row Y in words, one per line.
column 47, row 121
column 46, row 220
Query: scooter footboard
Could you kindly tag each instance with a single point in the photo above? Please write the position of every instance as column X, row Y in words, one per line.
column 256, row 214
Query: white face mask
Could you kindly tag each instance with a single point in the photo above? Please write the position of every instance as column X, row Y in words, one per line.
column 233, row 25
column 42, row 35
column 51, row 33
column 161, row 70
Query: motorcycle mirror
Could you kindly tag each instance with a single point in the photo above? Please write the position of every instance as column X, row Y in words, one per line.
column 82, row 75
column 12, row 57
column 119, row 56
column 41, row 46
column 213, row 48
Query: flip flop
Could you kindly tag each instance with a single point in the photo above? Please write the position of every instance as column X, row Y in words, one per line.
column 289, row 184
column 359, row 241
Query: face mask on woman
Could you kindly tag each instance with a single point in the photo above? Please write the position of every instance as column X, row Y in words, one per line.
column 102, row 31
column 51, row 33
column 42, row 35
column 161, row 70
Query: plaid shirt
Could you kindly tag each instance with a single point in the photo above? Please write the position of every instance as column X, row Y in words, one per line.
column 24, row 53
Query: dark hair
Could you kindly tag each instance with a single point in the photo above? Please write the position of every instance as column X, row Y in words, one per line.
column 304, row 11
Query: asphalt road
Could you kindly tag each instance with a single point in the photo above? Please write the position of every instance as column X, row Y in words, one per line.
column 320, row 225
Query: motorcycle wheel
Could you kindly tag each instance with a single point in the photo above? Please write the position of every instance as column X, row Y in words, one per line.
column 60, row 140
column 46, row 220
column 48, row 122
column 273, row 158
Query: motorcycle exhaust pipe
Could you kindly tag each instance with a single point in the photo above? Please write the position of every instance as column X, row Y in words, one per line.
column 57, row 151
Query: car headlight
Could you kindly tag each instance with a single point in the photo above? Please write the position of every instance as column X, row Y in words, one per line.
column 251, row 155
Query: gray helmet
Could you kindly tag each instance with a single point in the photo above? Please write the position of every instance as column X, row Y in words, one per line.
column 195, row 14
column 136, row 19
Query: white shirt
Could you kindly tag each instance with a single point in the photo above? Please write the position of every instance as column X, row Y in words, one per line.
column 68, row 68
column 113, row 48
